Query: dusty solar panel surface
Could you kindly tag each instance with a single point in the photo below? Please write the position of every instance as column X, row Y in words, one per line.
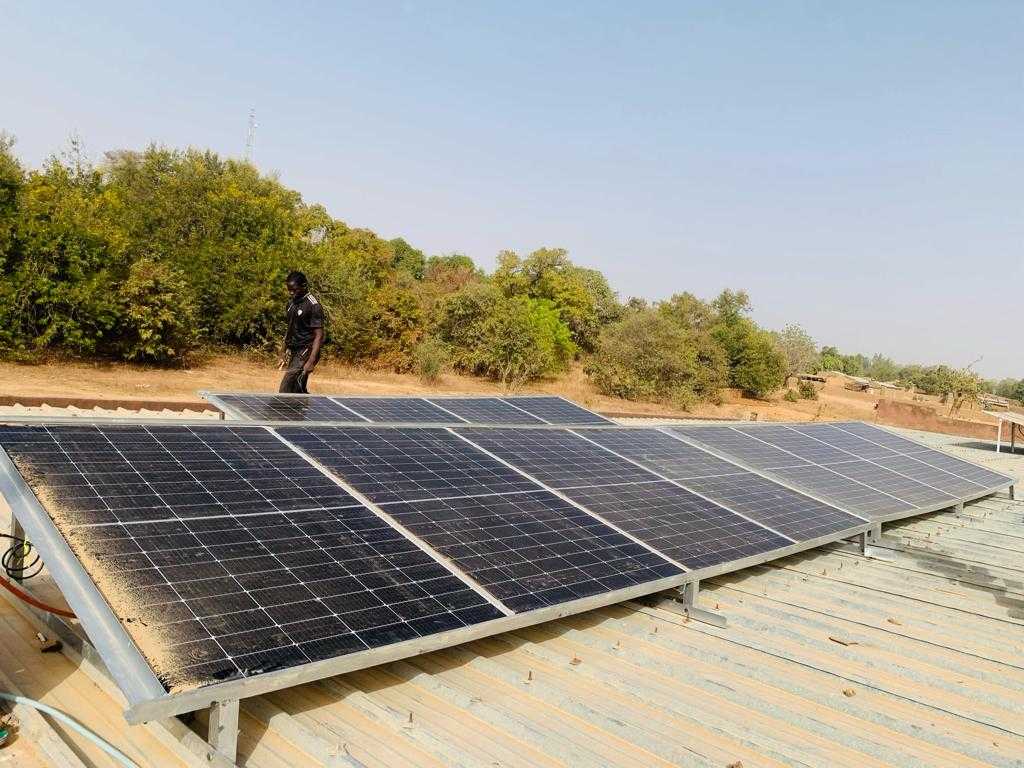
column 398, row 410
column 231, row 551
column 527, row 409
column 287, row 408
column 521, row 542
column 556, row 410
column 486, row 410
column 223, row 557
column 860, row 467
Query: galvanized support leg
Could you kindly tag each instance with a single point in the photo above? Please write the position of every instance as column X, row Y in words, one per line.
column 1010, row 491
column 874, row 534
column 683, row 602
column 865, row 541
column 223, row 731
column 17, row 561
column 999, row 435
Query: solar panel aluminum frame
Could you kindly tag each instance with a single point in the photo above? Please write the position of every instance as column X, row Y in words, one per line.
column 769, row 474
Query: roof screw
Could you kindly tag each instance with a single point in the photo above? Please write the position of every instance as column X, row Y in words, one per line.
column 529, row 676
column 576, row 661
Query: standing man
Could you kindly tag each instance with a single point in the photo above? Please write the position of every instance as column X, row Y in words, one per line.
column 305, row 334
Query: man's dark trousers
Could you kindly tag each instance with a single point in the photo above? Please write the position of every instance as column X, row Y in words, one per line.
column 294, row 379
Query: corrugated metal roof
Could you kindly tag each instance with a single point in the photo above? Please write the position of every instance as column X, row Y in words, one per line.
column 828, row 659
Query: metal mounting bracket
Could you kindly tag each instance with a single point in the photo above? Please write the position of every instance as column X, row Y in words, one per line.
column 222, row 734
column 683, row 601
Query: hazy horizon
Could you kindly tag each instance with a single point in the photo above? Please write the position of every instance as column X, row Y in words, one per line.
column 856, row 170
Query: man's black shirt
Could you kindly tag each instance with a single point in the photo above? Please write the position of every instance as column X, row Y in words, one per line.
column 304, row 315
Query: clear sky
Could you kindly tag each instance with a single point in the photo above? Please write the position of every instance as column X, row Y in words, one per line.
column 858, row 167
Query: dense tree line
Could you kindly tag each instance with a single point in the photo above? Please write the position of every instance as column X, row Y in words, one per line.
column 152, row 256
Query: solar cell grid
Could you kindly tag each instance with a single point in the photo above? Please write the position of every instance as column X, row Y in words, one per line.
column 689, row 529
column 486, row 410
column 531, row 550
column 287, row 408
column 936, row 478
column 661, row 452
column 914, row 491
column 842, row 490
column 556, row 457
column 291, row 569
column 731, row 441
column 555, row 410
column 792, row 514
column 796, row 443
column 963, row 469
column 390, row 464
column 235, row 596
column 882, row 437
column 399, row 410
column 852, row 444
column 137, row 473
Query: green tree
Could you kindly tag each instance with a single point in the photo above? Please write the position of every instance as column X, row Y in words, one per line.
column 755, row 365
column 798, row 348
column 524, row 339
column 883, row 368
column 649, row 355
column 760, row 368
column 581, row 297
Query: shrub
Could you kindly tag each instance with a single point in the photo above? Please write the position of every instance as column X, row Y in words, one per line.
column 523, row 339
column 791, row 396
column 431, row 360
column 807, row 390
column 158, row 323
column 650, row 356
column 760, row 369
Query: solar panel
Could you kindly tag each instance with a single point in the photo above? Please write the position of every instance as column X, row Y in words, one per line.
column 964, row 469
column 861, row 498
column 566, row 462
column 399, row 410
column 663, row 453
column 248, row 565
column 792, row 514
column 483, row 515
column 881, row 437
column 856, row 446
column 876, row 480
column 796, row 444
column 556, row 457
column 389, row 464
column 486, row 410
column 754, row 453
column 532, row 549
column 556, row 410
column 691, row 530
column 284, row 407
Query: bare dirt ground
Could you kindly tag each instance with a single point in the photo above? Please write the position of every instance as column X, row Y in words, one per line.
column 243, row 374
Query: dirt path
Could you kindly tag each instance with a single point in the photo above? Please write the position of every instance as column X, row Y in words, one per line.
column 244, row 374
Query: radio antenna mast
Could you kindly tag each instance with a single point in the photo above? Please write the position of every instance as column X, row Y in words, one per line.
column 250, row 139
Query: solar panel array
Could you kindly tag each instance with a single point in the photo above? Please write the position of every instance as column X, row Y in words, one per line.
column 859, row 467
column 232, row 550
column 532, row 409
column 233, row 553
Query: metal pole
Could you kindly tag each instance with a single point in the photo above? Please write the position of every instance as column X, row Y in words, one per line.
column 999, row 434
